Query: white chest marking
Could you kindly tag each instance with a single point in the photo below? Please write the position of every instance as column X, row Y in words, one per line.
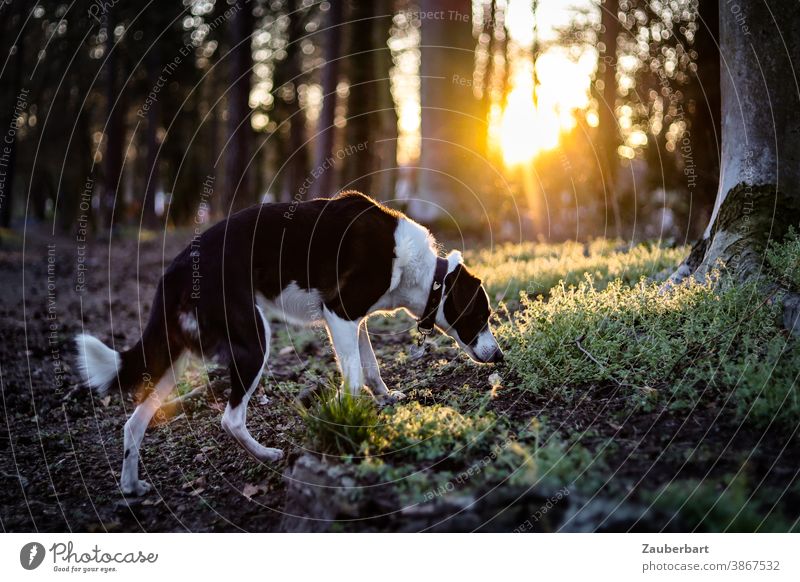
column 295, row 305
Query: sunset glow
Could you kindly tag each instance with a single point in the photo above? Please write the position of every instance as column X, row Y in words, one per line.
column 529, row 127
column 526, row 126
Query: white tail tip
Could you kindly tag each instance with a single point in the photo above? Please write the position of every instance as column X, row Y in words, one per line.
column 97, row 362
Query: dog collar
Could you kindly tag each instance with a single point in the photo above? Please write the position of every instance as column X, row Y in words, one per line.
column 428, row 320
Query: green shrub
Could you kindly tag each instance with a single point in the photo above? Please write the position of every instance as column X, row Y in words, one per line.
column 658, row 346
column 784, row 259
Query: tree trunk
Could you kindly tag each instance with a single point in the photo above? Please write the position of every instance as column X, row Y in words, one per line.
column 114, row 131
column 326, row 132
column 383, row 181
column 607, row 127
column 489, row 27
column 359, row 165
column 451, row 121
column 149, row 219
column 704, row 93
column 297, row 162
column 759, row 189
column 238, row 186
column 11, row 98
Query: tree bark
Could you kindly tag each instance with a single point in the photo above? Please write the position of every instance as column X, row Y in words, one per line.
column 114, row 130
column 297, row 162
column 704, row 94
column 238, row 186
column 360, row 132
column 607, row 126
column 383, row 181
column 326, row 132
column 759, row 189
column 450, row 124
column 10, row 98
column 153, row 64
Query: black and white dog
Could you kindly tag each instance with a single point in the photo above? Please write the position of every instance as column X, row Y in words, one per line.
column 333, row 261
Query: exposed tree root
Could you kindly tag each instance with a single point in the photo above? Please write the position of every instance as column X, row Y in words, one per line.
column 750, row 217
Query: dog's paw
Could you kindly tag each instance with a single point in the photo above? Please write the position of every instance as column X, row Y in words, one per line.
column 269, row 455
column 391, row 397
column 138, row 487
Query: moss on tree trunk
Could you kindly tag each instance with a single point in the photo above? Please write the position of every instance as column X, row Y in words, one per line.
column 749, row 218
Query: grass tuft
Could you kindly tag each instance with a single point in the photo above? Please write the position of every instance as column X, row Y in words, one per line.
column 340, row 424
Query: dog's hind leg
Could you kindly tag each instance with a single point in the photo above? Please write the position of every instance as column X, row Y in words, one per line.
column 137, row 425
column 248, row 358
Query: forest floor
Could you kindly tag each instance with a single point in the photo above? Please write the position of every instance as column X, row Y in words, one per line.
column 579, row 416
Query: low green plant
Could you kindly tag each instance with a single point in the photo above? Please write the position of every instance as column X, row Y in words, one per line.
column 339, row 423
column 536, row 268
column 701, row 339
column 542, row 456
column 784, row 259
column 728, row 505
column 417, row 432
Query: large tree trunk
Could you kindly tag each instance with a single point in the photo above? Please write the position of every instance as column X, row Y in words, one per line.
column 451, row 120
column 238, row 186
column 323, row 184
column 759, row 189
column 705, row 117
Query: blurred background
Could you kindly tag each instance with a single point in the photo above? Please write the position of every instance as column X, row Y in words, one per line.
column 515, row 119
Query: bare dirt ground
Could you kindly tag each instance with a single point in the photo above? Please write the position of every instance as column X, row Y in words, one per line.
column 61, row 446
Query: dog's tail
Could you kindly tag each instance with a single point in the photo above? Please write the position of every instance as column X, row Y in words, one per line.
column 143, row 364
column 97, row 363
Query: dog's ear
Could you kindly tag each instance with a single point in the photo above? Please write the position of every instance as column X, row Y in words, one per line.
column 453, row 260
column 462, row 287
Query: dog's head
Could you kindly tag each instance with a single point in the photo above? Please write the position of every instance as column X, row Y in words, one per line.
column 464, row 313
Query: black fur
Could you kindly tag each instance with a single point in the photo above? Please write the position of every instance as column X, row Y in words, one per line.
column 343, row 247
column 466, row 304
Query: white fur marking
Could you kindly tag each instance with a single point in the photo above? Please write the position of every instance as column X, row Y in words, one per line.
column 296, row 305
column 189, row 324
column 486, row 346
column 98, row 364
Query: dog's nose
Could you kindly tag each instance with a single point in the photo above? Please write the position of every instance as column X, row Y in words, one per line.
column 497, row 357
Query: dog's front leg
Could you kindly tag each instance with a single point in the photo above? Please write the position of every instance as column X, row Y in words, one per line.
column 372, row 372
column 344, row 336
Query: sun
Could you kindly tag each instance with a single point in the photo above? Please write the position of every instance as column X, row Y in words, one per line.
column 528, row 127
column 526, row 130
